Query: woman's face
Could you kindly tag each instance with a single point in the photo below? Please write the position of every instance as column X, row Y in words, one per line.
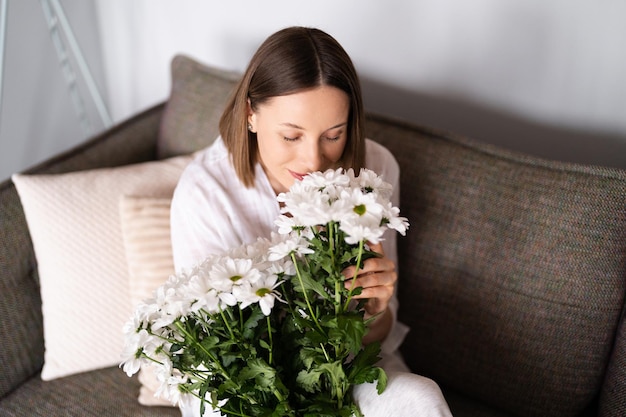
column 300, row 133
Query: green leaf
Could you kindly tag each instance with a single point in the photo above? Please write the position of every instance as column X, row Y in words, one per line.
column 264, row 344
column 310, row 284
column 252, row 323
column 309, row 356
column 350, row 329
column 210, row 342
column 309, row 380
column 262, row 373
column 363, row 369
column 381, row 383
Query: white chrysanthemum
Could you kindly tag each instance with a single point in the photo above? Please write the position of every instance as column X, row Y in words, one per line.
column 331, row 182
column 293, row 244
column 370, row 182
column 132, row 354
column 255, row 251
column 170, row 379
column 360, row 216
column 230, row 272
column 261, row 291
column 328, row 178
column 356, row 233
column 206, row 297
column 282, row 267
column 286, row 224
column 307, row 207
column 170, row 304
column 394, row 220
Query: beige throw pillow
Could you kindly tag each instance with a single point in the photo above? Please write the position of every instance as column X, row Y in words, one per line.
column 74, row 223
column 145, row 225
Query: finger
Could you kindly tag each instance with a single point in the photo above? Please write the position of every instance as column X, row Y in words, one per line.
column 381, row 293
column 373, row 279
column 369, row 266
column 378, row 248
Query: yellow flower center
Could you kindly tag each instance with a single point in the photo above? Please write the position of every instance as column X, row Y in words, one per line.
column 262, row 291
column 360, row 209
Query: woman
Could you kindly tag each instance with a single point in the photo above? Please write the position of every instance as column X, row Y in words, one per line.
column 296, row 110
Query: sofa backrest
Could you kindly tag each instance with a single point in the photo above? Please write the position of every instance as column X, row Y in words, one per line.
column 512, row 273
column 21, row 322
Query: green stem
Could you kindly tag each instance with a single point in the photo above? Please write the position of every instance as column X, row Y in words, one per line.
column 356, row 272
column 325, row 353
column 269, row 332
column 202, row 348
column 306, row 296
column 333, row 236
column 230, row 330
column 151, row 358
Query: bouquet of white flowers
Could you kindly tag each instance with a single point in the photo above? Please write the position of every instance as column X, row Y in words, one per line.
column 271, row 328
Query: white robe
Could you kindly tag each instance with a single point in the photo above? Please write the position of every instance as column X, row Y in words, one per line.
column 212, row 212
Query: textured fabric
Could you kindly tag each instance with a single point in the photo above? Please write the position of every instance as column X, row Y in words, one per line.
column 106, row 392
column 21, row 322
column 241, row 215
column 196, row 102
column 21, row 329
column 512, row 275
column 74, row 222
column 613, row 399
column 145, row 223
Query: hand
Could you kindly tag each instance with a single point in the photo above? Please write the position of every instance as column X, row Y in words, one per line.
column 378, row 278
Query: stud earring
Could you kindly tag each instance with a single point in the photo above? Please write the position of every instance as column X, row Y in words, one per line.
column 250, row 128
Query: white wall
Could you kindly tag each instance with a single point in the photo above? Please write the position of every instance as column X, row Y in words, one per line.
column 37, row 115
column 541, row 76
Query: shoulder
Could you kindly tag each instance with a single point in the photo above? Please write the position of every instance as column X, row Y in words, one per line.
column 206, row 180
column 208, row 165
column 380, row 160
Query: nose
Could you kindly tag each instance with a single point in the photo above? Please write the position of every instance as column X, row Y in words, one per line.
column 313, row 156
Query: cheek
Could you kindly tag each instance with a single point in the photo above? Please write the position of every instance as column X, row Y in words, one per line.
column 272, row 152
column 264, row 145
column 334, row 152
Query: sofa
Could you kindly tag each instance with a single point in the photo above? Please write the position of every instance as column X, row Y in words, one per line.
column 511, row 276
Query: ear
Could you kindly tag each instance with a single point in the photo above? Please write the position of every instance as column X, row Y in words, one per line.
column 251, row 118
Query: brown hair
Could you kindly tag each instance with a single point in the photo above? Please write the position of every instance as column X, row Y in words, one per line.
column 291, row 60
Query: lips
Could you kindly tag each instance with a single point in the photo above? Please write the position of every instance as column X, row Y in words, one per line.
column 296, row 175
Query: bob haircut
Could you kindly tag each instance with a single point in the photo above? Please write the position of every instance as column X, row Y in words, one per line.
column 291, row 60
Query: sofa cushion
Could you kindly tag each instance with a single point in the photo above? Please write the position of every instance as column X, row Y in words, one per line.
column 105, row 392
column 191, row 117
column 74, row 223
column 145, row 223
column 512, row 276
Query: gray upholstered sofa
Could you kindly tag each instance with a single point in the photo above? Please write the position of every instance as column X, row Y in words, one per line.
column 512, row 276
